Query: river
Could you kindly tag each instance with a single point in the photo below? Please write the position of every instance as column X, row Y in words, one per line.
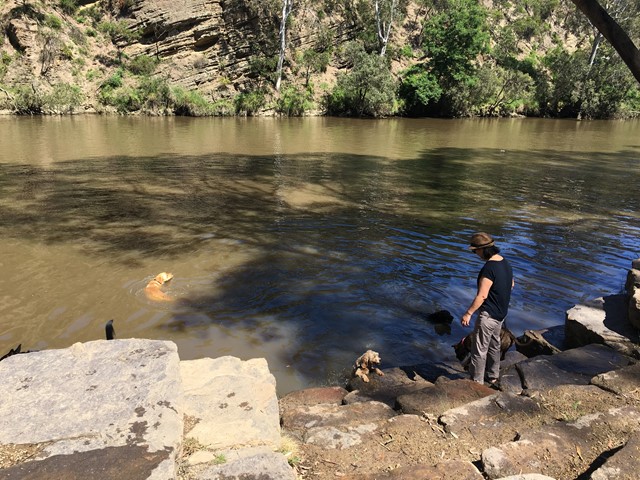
column 304, row 241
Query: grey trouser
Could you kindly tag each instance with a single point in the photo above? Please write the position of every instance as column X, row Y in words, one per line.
column 485, row 351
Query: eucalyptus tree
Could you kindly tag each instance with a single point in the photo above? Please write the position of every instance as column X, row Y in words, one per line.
column 454, row 36
column 287, row 6
column 613, row 32
column 386, row 11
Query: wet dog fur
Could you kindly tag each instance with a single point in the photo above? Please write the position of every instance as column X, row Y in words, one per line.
column 153, row 289
column 366, row 363
column 463, row 347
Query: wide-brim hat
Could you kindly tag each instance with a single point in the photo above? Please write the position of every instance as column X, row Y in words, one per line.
column 481, row 240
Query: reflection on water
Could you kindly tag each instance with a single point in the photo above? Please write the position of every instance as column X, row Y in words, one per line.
column 305, row 241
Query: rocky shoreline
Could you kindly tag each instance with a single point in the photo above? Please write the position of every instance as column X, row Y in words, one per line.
column 569, row 409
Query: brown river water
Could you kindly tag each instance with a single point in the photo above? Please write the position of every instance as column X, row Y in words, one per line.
column 304, row 241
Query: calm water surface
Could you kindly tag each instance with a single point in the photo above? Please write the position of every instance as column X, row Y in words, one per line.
column 304, row 241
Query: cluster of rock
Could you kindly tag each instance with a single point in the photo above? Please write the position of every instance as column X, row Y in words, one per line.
column 131, row 409
column 569, row 407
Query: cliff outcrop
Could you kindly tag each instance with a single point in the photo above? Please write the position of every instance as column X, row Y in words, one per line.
column 216, row 48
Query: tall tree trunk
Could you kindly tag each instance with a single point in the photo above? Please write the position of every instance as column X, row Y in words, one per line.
column 384, row 28
column 616, row 36
column 287, row 5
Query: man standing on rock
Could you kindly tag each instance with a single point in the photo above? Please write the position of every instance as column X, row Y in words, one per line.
column 495, row 282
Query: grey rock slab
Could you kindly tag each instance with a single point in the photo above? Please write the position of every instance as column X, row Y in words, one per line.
column 340, row 438
column 442, row 396
column 93, row 396
column 259, row 465
column 624, row 464
column 233, row 402
column 312, row 396
column 385, row 389
column 432, row 371
column 339, row 416
column 624, row 381
column 109, row 463
column 527, row 476
column 603, row 320
column 448, row 470
column 499, row 411
column 510, row 380
column 548, row 450
column 574, row 366
column 540, row 374
column 511, row 358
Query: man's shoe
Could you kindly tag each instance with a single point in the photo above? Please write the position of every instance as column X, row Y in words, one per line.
column 495, row 384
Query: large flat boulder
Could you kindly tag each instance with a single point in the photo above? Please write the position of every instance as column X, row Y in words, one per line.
column 575, row 366
column 632, row 287
column 312, row 396
column 624, row 464
column 92, row 406
column 499, row 412
column 561, row 449
column 447, row 470
column 385, row 389
column 232, row 403
column 624, row 381
column 443, row 395
column 603, row 320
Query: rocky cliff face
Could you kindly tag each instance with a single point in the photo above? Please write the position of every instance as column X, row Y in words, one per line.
column 202, row 44
column 210, row 46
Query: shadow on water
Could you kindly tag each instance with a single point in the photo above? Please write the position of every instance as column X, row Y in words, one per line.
column 346, row 252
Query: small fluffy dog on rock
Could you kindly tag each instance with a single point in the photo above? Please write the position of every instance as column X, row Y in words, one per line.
column 366, row 363
column 153, row 290
column 463, row 347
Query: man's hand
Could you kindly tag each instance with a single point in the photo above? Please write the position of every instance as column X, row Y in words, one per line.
column 466, row 319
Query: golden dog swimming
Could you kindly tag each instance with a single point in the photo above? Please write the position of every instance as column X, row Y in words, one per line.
column 367, row 362
column 153, row 289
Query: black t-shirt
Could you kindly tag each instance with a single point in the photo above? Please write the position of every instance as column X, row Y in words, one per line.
column 497, row 302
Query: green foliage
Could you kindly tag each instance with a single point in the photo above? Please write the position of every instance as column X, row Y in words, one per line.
column 142, row 65
column 114, row 81
column 607, row 88
column 63, row 98
column 453, row 39
column 154, row 93
column 263, row 67
column 27, row 100
column 250, row 103
column 418, row 89
column 150, row 94
column 501, row 92
column 92, row 75
column 558, row 86
column 118, row 31
column 69, row 6
column 314, row 62
column 53, row 21
column 92, row 13
column 630, row 107
column 5, row 61
column 294, row 101
column 368, row 89
column 190, row 103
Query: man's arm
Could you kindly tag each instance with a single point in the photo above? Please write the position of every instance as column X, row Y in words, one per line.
column 481, row 296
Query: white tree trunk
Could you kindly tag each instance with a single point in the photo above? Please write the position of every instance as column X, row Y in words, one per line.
column 384, row 28
column 287, row 5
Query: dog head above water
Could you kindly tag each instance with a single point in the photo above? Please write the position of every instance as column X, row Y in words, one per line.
column 163, row 277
